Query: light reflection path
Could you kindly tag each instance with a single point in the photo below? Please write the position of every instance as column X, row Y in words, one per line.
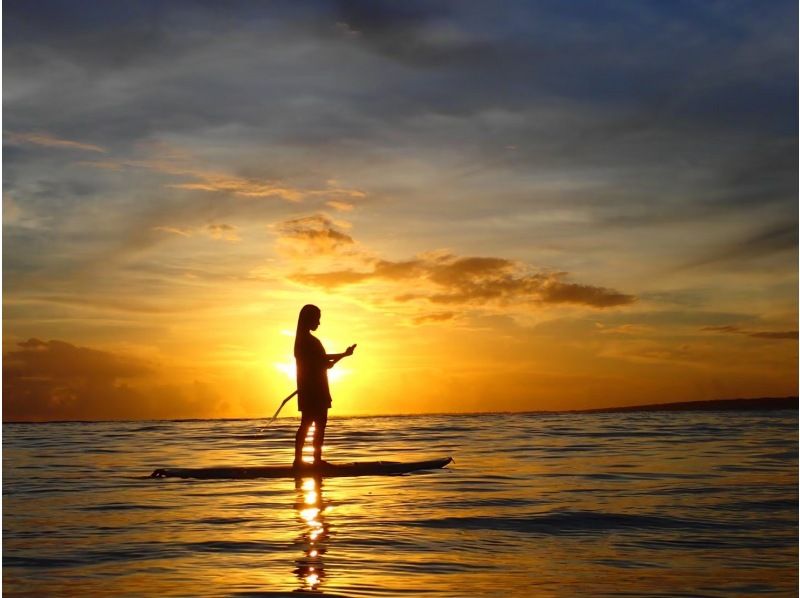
column 310, row 568
column 311, row 510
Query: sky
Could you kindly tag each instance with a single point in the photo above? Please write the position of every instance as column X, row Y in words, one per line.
column 508, row 206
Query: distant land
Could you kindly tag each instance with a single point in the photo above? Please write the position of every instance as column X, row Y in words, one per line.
column 762, row 404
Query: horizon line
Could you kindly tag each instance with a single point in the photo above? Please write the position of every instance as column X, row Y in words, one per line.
column 637, row 407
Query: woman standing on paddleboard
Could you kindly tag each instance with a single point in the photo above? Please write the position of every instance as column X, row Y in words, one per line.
column 313, row 394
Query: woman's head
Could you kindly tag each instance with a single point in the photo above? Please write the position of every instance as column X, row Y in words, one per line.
column 309, row 318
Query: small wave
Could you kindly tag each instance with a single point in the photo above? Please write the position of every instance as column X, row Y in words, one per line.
column 151, row 428
column 279, row 594
column 781, row 456
column 356, row 435
column 121, row 507
column 488, row 502
column 570, row 521
column 233, row 546
column 138, row 552
column 766, row 505
column 223, row 520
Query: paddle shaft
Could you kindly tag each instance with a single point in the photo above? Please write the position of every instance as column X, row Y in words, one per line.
column 286, row 400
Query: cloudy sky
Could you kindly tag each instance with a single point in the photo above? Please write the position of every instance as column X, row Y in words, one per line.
column 507, row 205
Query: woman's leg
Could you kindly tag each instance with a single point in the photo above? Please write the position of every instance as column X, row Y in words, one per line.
column 321, row 421
column 300, row 438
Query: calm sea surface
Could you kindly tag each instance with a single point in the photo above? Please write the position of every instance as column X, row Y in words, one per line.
column 639, row 504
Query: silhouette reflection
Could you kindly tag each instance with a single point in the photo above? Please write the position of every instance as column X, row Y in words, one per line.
column 311, row 510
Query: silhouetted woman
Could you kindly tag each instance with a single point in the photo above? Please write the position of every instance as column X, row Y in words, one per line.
column 313, row 394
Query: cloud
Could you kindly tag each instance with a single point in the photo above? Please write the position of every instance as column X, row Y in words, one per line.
column 183, row 231
column 47, row 140
column 419, row 35
column 216, row 231
column 240, row 186
column 57, row 380
column 59, row 360
column 341, row 206
column 778, row 238
column 441, row 316
column 763, row 334
column 224, row 232
column 312, row 235
column 787, row 335
column 442, row 277
column 173, row 161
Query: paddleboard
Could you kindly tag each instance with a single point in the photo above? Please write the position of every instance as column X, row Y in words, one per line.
column 328, row 470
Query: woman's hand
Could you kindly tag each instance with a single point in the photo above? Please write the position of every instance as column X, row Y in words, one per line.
column 332, row 359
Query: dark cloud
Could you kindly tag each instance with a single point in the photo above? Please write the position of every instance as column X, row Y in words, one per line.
column 58, row 360
column 449, row 279
column 56, row 380
column 416, row 33
column 777, row 239
column 769, row 335
column 472, row 281
column 788, row 335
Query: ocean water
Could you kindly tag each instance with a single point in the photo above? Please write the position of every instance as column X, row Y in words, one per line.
column 634, row 504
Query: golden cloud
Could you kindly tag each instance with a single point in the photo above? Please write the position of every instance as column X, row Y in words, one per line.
column 457, row 283
column 218, row 232
column 312, row 235
column 441, row 316
column 47, row 140
column 441, row 277
column 223, row 232
column 183, row 231
column 240, row 186
column 177, row 162
column 341, row 206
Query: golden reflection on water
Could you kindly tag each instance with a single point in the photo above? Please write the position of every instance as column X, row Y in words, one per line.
column 310, row 568
column 308, row 446
column 311, row 509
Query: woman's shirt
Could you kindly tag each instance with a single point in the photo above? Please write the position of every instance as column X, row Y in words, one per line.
column 312, row 374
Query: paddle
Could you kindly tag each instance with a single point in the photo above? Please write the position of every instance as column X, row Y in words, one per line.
column 286, row 400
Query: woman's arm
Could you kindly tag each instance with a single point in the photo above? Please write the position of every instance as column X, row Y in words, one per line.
column 333, row 358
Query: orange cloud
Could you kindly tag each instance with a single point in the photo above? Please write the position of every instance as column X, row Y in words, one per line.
column 47, row 140
column 441, row 316
column 223, row 232
column 240, row 186
column 169, row 160
column 183, row 231
column 341, row 206
column 219, row 232
column 474, row 280
column 763, row 334
column 312, row 235
column 442, row 278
